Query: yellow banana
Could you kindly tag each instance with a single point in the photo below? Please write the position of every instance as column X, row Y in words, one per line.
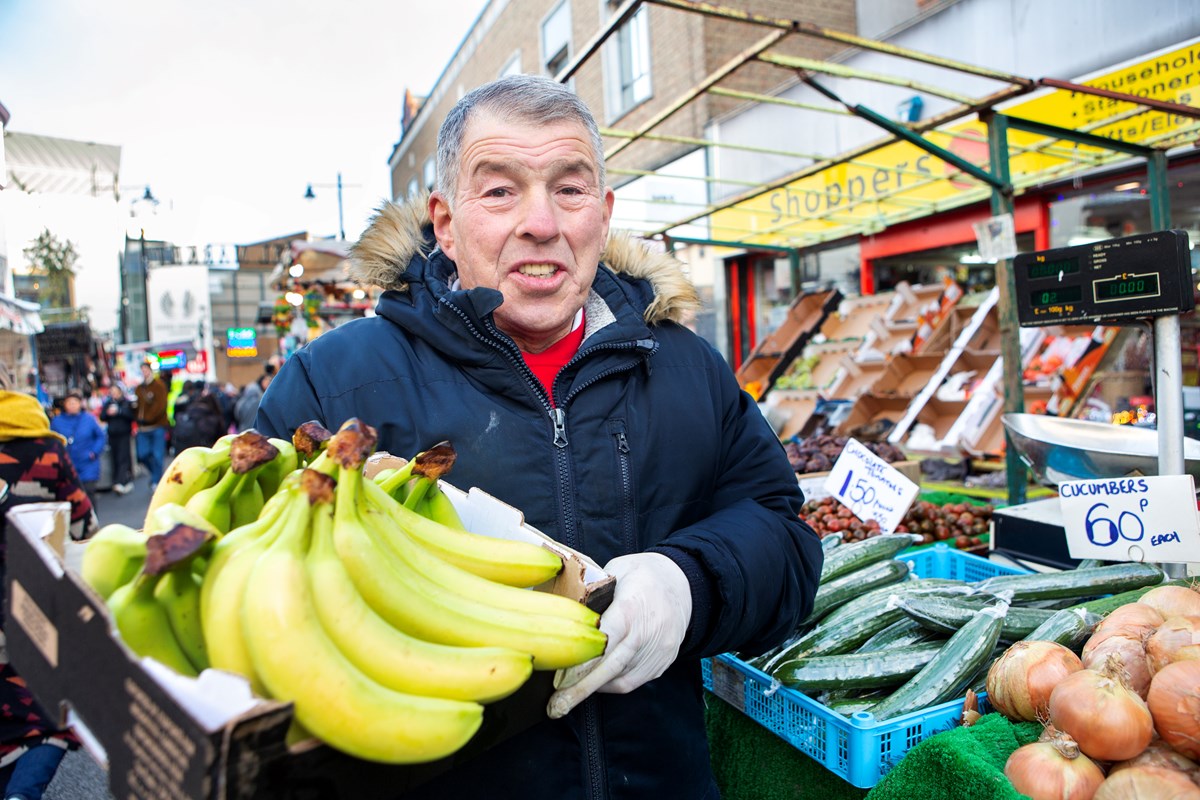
column 331, row 697
column 279, row 467
column 412, row 602
column 481, row 590
column 223, row 591
column 112, row 558
column 194, row 469
column 144, row 626
column 501, row 560
column 178, row 592
column 391, row 657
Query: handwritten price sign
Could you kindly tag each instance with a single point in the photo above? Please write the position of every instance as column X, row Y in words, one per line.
column 870, row 487
column 1132, row 519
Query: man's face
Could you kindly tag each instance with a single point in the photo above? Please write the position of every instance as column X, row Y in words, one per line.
column 530, row 219
column 147, row 374
column 71, row 405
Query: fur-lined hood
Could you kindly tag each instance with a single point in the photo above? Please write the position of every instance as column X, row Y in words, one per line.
column 398, row 233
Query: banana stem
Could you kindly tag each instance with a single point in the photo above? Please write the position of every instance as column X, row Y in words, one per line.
column 418, row 493
column 400, row 477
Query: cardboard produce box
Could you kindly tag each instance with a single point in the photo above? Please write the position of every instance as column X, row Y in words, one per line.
column 166, row 736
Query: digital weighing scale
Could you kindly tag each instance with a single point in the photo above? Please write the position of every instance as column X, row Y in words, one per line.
column 1134, row 279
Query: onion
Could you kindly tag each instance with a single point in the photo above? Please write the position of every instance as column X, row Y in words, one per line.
column 1173, row 601
column 1108, row 720
column 1177, row 639
column 1130, row 655
column 1147, row 783
column 1021, row 679
column 1053, row 769
column 1161, row 755
column 1174, row 701
column 1135, row 620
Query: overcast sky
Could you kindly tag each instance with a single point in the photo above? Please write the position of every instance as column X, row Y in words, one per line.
column 227, row 109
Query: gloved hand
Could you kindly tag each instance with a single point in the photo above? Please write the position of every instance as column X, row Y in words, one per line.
column 646, row 624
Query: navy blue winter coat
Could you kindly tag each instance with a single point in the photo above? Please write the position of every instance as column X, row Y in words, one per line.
column 649, row 445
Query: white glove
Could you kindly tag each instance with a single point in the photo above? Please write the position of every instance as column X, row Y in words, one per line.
column 646, row 624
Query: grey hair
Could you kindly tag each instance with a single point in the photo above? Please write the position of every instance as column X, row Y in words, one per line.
column 526, row 98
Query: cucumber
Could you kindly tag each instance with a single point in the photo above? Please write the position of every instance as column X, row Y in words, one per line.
column 865, row 603
column 946, row 615
column 854, row 556
column 951, row 669
column 848, row 706
column 1104, row 606
column 1069, row 627
column 856, row 670
column 830, row 541
column 844, row 589
column 828, row 639
column 1074, row 583
column 902, row 633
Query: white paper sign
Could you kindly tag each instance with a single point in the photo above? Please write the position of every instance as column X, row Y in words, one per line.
column 870, row 487
column 1132, row 519
column 996, row 238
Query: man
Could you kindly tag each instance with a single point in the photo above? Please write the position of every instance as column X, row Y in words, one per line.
column 572, row 392
column 152, row 422
column 117, row 415
column 85, row 440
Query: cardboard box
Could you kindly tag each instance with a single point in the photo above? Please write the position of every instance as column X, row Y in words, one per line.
column 773, row 355
column 853, row 317
column 907, row 374
column 855, row 377
column 166, row 736
column 789, row 409
column 870, row 408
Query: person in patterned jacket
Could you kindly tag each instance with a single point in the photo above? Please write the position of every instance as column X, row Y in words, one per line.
column 34, row 468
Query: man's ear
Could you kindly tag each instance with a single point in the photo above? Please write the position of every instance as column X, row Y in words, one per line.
column 439, row 213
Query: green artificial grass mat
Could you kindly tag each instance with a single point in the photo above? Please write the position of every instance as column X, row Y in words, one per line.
column 751, row 763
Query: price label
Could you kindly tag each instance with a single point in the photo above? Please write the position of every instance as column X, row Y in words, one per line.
column 1132, row 519
column 870, row 487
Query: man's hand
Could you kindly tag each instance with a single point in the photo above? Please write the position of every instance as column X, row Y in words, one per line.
column 646, row 623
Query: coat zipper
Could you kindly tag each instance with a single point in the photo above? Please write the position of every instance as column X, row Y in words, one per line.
column 628, row 532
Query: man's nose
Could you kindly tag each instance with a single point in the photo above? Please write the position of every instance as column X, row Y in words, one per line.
column 539, row 219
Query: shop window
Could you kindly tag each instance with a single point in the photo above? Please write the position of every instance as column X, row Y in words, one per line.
column 556, row 39
column 627, row 62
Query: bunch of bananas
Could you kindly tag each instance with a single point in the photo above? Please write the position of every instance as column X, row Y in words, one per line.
column 365, row 603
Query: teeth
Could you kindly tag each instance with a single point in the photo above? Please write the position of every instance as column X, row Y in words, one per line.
column 537, row 270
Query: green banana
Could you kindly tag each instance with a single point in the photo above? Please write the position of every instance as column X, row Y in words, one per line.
column 112, row 558
column 505, row 561
column 283, row 464
column 224, row 586
column 166, row 517
column 392, row 657
column 178, row 592
column 482, row 590
column 247, row 501
column 144, row 625
column 410, row 601
column 441, row 510
column 213, row 503
column 193, row 470
column 248, row 452
column 299, row 663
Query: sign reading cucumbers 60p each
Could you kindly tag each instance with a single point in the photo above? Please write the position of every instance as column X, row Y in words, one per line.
column 870, row 487
column 1132, row 519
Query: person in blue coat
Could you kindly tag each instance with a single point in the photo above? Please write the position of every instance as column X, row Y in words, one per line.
column 556, row 359
column 85, row 440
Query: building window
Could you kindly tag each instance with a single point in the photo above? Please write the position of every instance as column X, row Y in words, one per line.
column 430, row 173
column 513, row 67
column 627, row 62
column 414, row 188
column 556, row 39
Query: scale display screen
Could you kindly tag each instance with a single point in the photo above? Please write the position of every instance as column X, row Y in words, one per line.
column 1135, row 277
column 1055, row 296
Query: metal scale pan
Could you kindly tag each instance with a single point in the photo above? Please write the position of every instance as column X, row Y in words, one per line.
column 1058, row 449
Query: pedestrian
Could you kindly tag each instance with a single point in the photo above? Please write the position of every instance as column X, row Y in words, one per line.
column 564, row 371
column 246, row 408
column 85, row 440
column 35, row 467
column 152, row 422
column 199, row 423
column 117, row 415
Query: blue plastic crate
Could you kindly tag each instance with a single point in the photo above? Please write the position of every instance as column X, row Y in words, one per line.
column 858, row 749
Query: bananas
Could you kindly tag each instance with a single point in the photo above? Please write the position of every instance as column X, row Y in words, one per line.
column 113, row 557
column 194, row 469
column 386, row 630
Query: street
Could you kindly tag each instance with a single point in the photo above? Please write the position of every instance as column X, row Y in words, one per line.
column 79, row 777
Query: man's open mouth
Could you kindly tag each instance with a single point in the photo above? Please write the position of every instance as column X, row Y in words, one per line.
column 537, row 270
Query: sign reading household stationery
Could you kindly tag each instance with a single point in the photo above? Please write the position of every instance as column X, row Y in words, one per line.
column 870, row 487
column 1132, row 519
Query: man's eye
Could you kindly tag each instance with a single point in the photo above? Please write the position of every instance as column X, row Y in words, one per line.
column 497, row 192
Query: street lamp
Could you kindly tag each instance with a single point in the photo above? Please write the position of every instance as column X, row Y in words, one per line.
column 309, row 194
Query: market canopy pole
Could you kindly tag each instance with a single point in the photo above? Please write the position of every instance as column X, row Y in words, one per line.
column 1010, row 332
